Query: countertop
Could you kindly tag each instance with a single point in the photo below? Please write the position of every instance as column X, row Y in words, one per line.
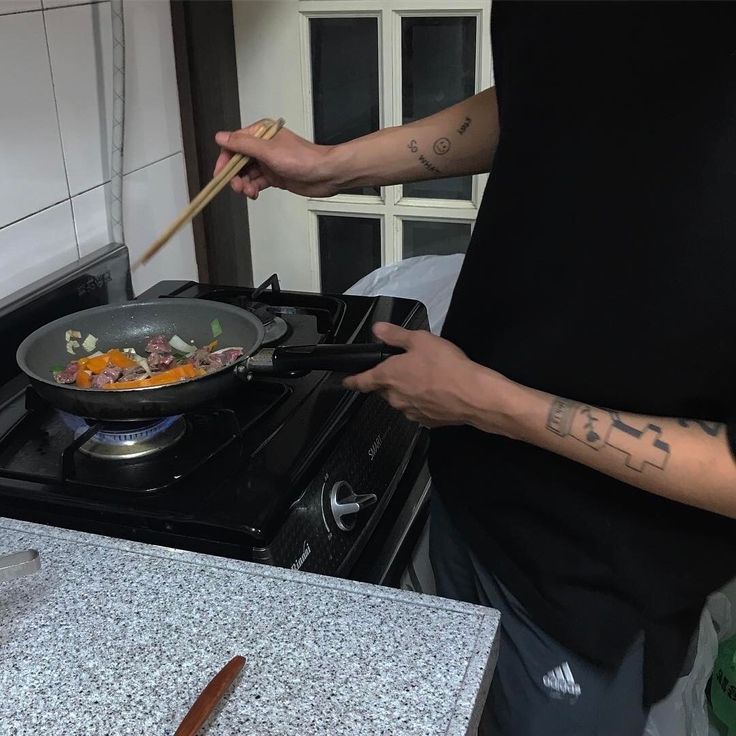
column 118, row 638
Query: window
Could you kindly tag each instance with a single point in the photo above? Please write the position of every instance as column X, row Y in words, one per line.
column 360, row 65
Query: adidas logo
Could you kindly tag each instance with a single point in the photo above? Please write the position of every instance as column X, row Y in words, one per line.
column 561, row 682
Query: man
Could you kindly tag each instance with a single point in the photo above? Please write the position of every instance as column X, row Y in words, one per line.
column 581, row 396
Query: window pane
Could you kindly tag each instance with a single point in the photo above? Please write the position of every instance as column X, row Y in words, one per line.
column 423, row 238
column 345, row 92
column 349, row 248
column 438, row 70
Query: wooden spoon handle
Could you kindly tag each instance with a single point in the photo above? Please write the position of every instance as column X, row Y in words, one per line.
column 209, row 698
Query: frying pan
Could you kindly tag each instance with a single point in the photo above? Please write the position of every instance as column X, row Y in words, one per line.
column 133, row 324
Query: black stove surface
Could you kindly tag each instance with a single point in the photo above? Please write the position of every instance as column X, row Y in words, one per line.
column 238, row 468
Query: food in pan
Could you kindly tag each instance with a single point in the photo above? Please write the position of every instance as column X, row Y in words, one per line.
column 167, row 361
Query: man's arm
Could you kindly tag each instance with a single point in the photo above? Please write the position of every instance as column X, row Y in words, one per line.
column 686, row 460
column 436, row 384
column 457, row 141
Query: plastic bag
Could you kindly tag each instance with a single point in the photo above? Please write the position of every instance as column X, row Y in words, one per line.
column 723, row 686
column 428, row 279
column 684, row 711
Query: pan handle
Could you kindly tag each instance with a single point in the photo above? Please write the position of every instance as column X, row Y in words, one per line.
column 340, row 358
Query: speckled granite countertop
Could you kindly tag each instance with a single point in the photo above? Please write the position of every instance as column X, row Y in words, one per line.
column 118, row 638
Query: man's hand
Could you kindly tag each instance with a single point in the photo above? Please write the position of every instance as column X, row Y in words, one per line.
column 434, row 383
column 286, row 162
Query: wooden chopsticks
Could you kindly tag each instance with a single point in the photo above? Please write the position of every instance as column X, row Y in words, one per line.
column 209, row 698
column 266, row 130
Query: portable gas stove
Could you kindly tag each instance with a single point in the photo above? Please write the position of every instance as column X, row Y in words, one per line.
column 291, row 470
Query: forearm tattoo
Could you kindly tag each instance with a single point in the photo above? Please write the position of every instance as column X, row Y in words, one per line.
column 423, row 160
column 640, row 442
column 441, row 147
column 712, row 429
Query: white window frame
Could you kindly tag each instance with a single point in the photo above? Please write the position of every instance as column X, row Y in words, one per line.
column 391, row 207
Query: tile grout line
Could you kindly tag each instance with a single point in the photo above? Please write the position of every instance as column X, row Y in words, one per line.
column 84, row 191
column 91, row 189
column 61, row 137
column 43, row 8
column 72, row 5
column 56, row 204
column 152, row 163
column 38, row 212
column 21, row 12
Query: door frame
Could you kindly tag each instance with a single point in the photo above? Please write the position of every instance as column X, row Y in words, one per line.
column 207, row 78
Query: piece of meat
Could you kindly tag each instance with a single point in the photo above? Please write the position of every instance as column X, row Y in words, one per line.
column 210, row 364
column 158, row 344
column 109, row 375
column 200, row 358
column 132, row 374
column 230, row 355
column 68, row 374
column 159, row 361
column 214, row 363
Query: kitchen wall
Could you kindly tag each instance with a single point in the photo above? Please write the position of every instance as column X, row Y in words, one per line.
column 55, row 138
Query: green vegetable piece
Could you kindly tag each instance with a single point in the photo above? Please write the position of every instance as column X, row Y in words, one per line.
column 57, row 368
column 216, row 328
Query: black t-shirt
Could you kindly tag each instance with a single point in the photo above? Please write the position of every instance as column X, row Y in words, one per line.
column 602, row 268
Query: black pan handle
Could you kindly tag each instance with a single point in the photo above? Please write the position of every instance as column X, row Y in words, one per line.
column 340, row 358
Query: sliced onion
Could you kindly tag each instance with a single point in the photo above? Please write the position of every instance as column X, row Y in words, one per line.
column 142, row 362
column 90, row 343
column 182, row 347
column 69, row 335
column 71, row 344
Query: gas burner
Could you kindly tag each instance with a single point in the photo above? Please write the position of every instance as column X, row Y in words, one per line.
column 128, row 440
column 275, row 328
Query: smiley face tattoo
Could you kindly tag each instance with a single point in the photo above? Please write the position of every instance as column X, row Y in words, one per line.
column 442, row 146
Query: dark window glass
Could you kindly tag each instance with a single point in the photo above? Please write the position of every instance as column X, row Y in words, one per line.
column 423, row 238
column 345, row 93
column 349, row 248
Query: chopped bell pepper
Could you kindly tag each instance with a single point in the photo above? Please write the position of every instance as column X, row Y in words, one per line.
column 120, row 359
column 96, row 364
column 112, row 357
column 84, row 378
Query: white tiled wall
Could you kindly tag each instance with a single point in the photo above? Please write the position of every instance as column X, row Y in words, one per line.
column 56, row 130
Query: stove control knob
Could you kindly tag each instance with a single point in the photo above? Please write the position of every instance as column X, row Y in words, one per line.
column 346, row 504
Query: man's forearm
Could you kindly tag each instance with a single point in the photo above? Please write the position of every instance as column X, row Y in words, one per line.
column 460, row 140
column 685, row 460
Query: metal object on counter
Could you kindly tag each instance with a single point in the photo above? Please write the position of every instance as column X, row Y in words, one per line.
column 19, row 564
